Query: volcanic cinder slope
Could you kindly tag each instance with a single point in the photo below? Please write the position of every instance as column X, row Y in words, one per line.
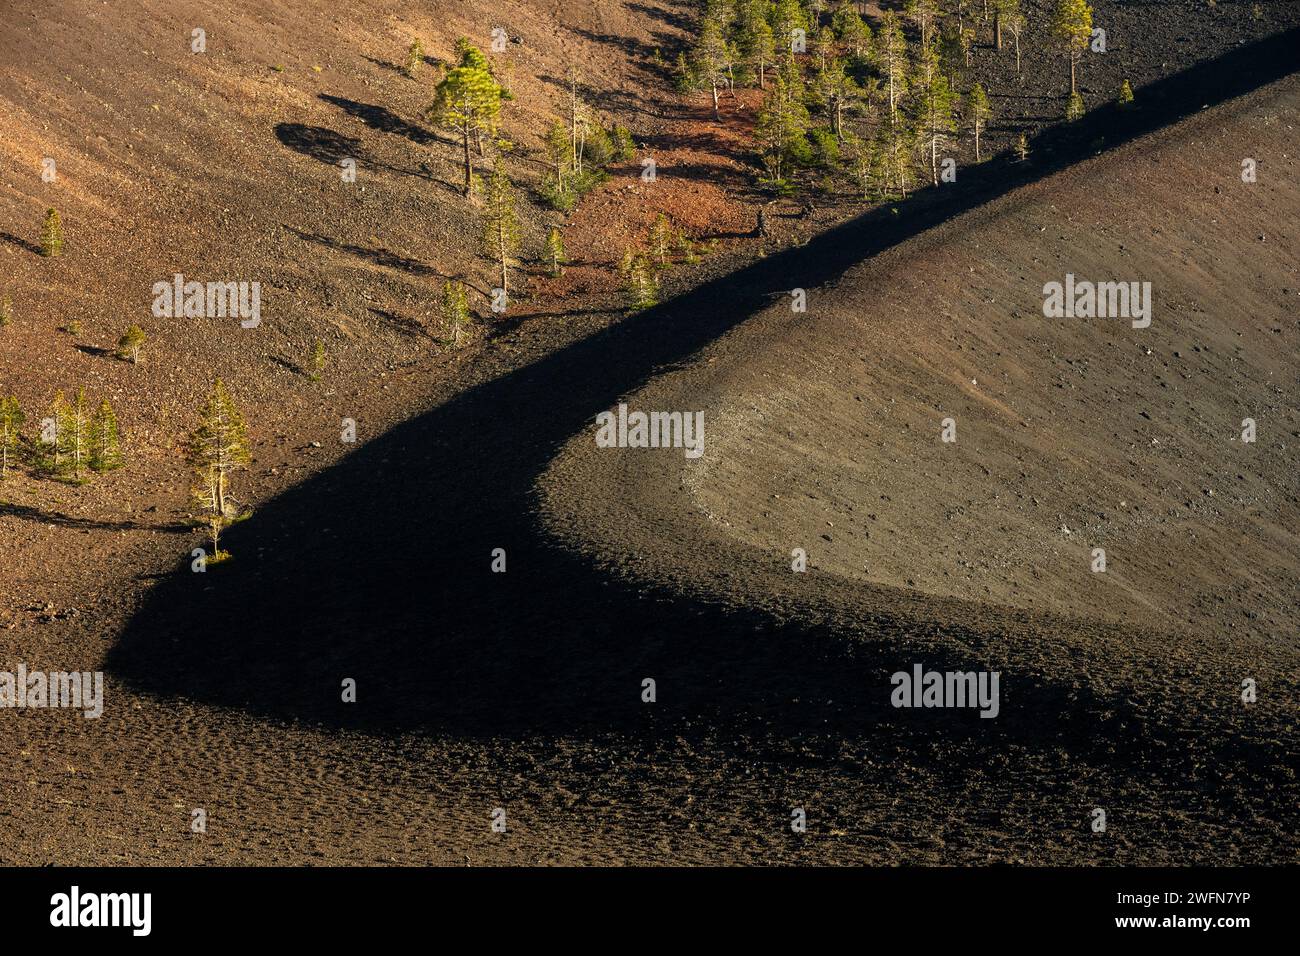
column 824, row 433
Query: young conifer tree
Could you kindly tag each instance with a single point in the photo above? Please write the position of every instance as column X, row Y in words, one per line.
column 977, row 114
column 559, row 186
column 851, row 30
column 105, row 445
column 72, row 419
column 454, row 309
column 662, row 238
column 933, row 102
column 1074, row 108
column 317, row 363
column 52, row 235
column 414, row 57
column 782, row 130
column 891, row 55
column 1071, row 27
column 501, row 225
column 639, row 281
column 11, row 422
column 216, row 450
column 48, row 451
column 130, row 344
column 555, row 252
column 468, row 102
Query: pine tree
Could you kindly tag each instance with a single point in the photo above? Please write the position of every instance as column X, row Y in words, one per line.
column 685, row 247
column 11, row 422
column 954, row 52
column 1125, row 95
column 781, row 131
column 1022, row 147
column 923, row 13
column 555, row 252
column 317, row 360
column 640, row 281
column 709, row 57
column 216, row 450
column 468, row 101
column 1074, row 107
column 860, row 156
column 52, row 235
column 934, row 107
column 414, row 57
column 891, row 55
column 130, row 344
column 662, row 238
column 455, row 309
column 757, row 44
column 1015, row 22
column 835, row 90
column 624, row 144
column 72, row 446
column 977, row 114
column 501, row 225
column 1071, row 27
column 894, row 156
column 851, row 30
column 105, row 446
column 1004, row 11
column 787, row 16
column 559, row 186
column 579, row 124
column 49, row 448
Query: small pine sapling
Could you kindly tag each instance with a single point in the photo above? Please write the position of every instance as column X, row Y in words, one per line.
column 317, row 361
column 639, row 281
column 216, row 450
column 105, row 445
column 661, row 240
column 555, row 252
column 130, row 345
column 455, row 310
column 52, row 235
column 11, row 422
column 977, row 112
column 501, row 225
column 414, row 57
column 72, row 421
column 1074, row 107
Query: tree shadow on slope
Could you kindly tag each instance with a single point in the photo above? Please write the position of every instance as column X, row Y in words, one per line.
column 385, row 120
column 379, row 569
column 320, row 142
column 379, row 256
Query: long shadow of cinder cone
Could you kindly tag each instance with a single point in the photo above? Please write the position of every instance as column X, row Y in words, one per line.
column 378, row 570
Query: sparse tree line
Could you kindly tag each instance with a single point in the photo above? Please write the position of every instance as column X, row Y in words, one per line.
column 578, row 147
column 78, row 438
column 874, row 104
column 641, row 268
column 74, row 439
